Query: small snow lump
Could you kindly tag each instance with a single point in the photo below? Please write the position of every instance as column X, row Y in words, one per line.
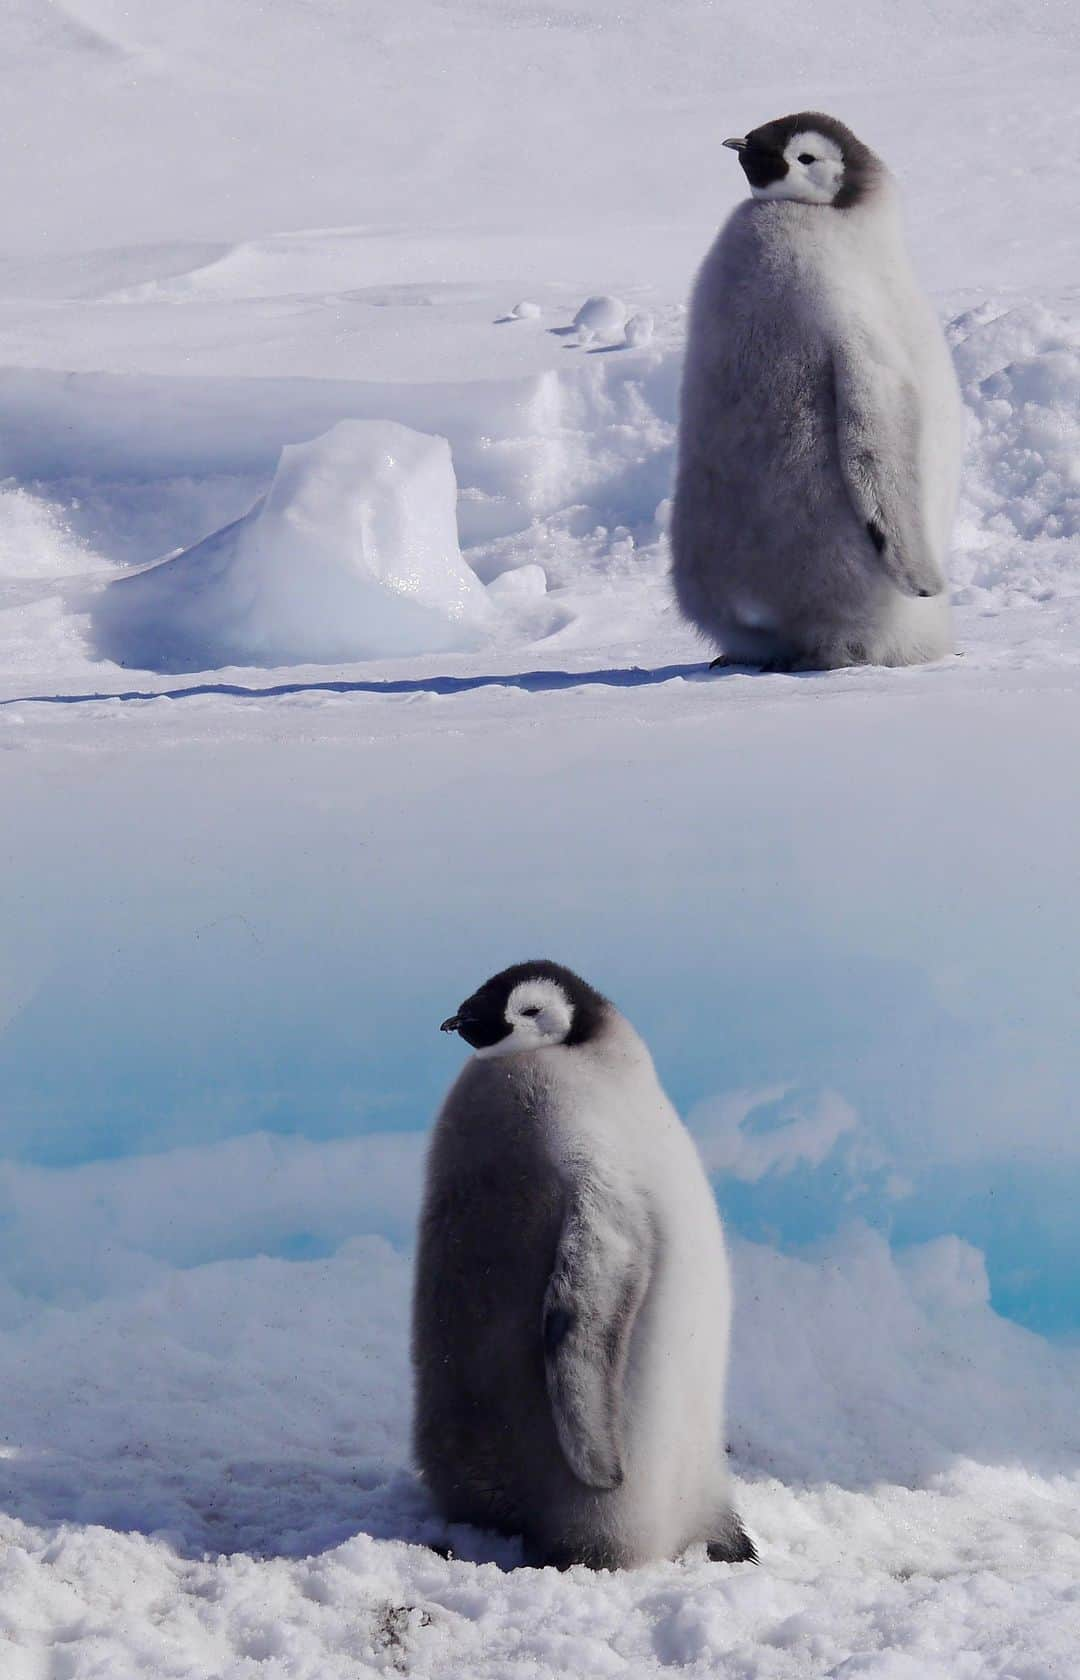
column 600, row 317
column 639, row 328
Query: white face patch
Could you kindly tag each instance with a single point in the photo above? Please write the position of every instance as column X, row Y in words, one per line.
column 815, row 170
column 539, row 1013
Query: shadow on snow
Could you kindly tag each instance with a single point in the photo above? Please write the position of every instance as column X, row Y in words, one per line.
column 534, row 682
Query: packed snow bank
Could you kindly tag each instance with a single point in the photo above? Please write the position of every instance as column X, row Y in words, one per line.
column 1020, row 373
column 352, row 554
column 855, row 1364
column 72, row 1236
column 35, row 539
column 138, row 466
column 595, row 433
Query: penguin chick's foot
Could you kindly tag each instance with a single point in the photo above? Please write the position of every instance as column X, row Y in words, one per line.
column 735, row 1547
column 598, row 1554
column 536, row 1556
column 774, row 664
column 733, row 662
column 796, row 663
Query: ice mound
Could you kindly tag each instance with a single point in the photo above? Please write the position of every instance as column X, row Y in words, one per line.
column 352, row 554
column 523, row 584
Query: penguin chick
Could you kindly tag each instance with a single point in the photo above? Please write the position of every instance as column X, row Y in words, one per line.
column 821, row 425
column 572, row 1302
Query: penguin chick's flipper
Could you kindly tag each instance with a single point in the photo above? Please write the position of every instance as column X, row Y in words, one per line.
column 734, row 1545
column 877, row 432
column 601, row 1272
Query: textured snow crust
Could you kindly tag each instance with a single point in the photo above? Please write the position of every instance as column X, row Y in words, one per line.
column 209, row 1476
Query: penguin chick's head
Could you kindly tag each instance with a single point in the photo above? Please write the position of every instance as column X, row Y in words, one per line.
column 811, row 158
column 531, row 1006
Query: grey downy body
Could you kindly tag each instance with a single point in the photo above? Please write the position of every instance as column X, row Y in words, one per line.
column 571, row 1308
column 821, row 427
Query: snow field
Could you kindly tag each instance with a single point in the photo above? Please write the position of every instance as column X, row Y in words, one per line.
column 233, row 918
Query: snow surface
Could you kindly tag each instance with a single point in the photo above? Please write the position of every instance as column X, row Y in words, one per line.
column 238, row 898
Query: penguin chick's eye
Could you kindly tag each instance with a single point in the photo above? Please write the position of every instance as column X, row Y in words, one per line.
column 807, row 157
column 535, row 1010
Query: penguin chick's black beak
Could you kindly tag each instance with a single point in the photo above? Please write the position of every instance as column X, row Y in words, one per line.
column 451, row 1024
column 736, row 145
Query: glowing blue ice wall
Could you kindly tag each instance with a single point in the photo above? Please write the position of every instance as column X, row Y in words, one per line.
column 844, row 917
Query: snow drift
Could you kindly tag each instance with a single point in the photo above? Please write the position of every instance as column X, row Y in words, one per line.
column 36, row 540
column 352, row 554
column 1020, row 369
column 848, row 1366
